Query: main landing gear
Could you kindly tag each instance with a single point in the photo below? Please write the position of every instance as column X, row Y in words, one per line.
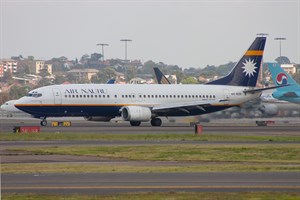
column 44, row 122
column 135, row 123
column 156, row 122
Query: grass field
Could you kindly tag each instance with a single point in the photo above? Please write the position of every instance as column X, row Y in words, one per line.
column 197, row 158
column 264, row 157
column 165, row 196
column 145, row 136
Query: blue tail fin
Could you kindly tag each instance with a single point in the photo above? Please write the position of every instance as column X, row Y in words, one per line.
column 245, row 72
column 280, row 77
column 160, row 77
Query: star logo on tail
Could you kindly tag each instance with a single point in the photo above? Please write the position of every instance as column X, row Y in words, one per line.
column 249, row 67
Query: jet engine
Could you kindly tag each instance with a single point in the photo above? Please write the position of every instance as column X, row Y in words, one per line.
column 98, row 118
column 136, row 113
column 269, row 109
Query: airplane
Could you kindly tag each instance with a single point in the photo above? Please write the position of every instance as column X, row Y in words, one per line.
column 143, row 103
column 266, row 106
column 160, row 77
column 9, row 106
column 289, row 93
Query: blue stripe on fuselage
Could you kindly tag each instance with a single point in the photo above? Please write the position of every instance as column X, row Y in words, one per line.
column 112, row 111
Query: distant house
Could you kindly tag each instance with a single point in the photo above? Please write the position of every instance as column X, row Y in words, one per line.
column 289, row 68
column 1, row 69
column 8, row 65
column 137, row 81
column 35, row 66
column 83, row 74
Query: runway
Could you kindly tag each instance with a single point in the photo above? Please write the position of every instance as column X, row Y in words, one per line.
column 112, row 183
column 105, row 183
column 235, row 127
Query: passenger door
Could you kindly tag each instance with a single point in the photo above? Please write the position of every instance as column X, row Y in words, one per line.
column 56, row 95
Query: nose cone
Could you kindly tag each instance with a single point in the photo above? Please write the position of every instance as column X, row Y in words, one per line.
column 20, row 104
column 9, row 106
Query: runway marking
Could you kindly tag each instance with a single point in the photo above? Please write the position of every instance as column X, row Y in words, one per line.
column 151, row 187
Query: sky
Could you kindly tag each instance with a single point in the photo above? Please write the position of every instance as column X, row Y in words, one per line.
column 185, row 33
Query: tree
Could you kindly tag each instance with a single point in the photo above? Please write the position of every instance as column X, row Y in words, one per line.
column 17, row 92
column 96, row 56
column 189, row 80
column 7, row 77
column 44, row 72
column 60, row 79
column 103, row 75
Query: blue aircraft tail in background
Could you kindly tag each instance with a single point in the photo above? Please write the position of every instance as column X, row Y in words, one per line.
column 160, row 77
column 289, row 93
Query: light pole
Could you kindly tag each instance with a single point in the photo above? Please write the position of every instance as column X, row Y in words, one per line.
column 101, row 44
column 125, row 40
column 262, row 63
column 280, row 38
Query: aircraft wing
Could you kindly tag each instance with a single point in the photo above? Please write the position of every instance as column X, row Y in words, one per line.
column 185, row 107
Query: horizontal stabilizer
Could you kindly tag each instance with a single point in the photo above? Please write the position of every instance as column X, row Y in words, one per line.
column 252, row 91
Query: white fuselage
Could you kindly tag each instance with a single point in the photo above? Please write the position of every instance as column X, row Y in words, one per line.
column 107, row 99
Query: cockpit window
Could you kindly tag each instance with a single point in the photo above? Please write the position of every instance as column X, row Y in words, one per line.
column 34, row 94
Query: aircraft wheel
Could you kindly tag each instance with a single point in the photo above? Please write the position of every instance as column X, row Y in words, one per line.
column 43, row 123
column 156, row 122
column 135, row 123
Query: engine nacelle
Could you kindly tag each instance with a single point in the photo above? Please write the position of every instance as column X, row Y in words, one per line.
column 98, row 118
column 269, row 109
column 136, row 113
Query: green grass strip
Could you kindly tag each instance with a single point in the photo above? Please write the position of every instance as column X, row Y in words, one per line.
column 145, row 136
column 166, row 195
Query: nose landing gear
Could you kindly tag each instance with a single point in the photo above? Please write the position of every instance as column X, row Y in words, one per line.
column 43, row 122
